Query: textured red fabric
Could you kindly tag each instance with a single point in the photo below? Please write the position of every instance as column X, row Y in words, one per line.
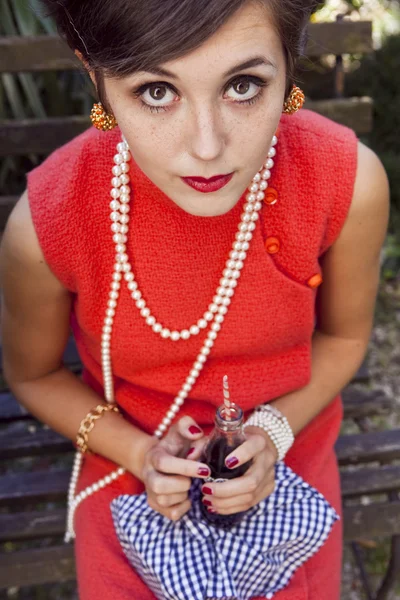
column 264, row 345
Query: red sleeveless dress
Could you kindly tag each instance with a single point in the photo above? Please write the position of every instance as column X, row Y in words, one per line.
column 264, row 345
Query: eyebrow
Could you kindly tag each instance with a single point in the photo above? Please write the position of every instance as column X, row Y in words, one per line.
column 248, row 64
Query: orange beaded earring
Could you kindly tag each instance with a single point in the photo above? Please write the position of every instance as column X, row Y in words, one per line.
column 100, row 119
column 294, row 101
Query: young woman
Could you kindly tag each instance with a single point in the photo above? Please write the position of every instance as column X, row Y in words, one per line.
column 199, row 90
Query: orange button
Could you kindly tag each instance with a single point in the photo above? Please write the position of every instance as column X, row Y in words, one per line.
column 272, row 245
column 315, row 281
column 271, row 196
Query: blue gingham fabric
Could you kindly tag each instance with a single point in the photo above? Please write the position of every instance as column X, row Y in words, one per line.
column 191, row 559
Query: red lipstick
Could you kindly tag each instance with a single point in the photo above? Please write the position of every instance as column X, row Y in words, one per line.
column 208, row 185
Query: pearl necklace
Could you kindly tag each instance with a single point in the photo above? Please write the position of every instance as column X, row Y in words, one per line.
column 215, row 315
column 120, row 193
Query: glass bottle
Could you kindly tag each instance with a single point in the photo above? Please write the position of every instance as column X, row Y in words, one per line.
column 226, row 436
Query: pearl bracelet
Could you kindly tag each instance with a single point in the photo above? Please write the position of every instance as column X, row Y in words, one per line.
column 273, row 422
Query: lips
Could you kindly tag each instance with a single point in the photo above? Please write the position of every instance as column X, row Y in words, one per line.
column 208, row 185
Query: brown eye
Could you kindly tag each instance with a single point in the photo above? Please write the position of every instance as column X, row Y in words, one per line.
column 244, row 89
column 157, row 95
column 157, row 92
column 241, row 87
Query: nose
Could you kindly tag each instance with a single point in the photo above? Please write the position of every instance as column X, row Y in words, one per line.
column 206, row 135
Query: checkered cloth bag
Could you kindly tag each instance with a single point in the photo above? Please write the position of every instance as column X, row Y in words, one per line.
column 193, row 560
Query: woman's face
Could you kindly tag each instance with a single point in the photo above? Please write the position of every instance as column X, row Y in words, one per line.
column 212, row 112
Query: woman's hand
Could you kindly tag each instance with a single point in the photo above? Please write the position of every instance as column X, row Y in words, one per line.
column 167, row 475
column 257, row 483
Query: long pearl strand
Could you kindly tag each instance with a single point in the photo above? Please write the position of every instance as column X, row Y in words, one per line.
column 215, row 315
column 120, row 193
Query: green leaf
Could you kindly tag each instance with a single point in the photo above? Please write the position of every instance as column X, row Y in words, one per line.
column 27, row 25
column 13, row 95
column 7, row 24
column 57, row 101
column 32, row 95
column 26, row 21
column 47, row 24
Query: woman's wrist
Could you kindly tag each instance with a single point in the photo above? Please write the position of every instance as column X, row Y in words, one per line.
column 62, row 401
column 138, row 450
column 115, row 438
column 270, row 444
column 276, row 425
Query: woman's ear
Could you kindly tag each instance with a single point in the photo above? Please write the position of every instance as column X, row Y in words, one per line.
column 86, row 65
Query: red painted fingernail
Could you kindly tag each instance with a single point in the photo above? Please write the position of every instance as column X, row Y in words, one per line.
column 207, row 502
column 207, row 490
column 190, row 451
column 211, row 510
column 204, row 472
column 232, row 462
column 194, row 430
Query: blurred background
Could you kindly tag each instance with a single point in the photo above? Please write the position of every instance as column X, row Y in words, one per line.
column 50, row 94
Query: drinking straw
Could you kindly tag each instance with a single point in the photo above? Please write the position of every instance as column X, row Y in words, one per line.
column 227, row 402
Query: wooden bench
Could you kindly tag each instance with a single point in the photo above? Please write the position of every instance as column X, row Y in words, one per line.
column 49, row 53
column 36, row 466
column 36, row 462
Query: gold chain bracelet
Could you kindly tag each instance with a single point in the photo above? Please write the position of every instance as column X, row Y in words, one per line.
column 88, row 423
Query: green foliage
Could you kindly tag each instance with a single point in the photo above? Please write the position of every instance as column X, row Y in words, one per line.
column 378, row 76
column 354, row 4
column 391, row 260
column 351, row 4
column 34, row 95
column 37, row 95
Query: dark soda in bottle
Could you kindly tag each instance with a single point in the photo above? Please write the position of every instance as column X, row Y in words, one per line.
column 225, row 437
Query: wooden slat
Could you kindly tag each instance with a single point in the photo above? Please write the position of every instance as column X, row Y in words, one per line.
column 359, row 403
column 10, row 410
column 34, row 567
column 356, row 405
column 17, row 527
column 18, row 489
column 368, row 447
column 345, row 37
column 34, row 441
column 370, row 481
column 35, row 53
column 351, row 449
column 39, row 136
column 374, row 520
column 356, row 113
column 383, row 446
column 48, row 53
column 371, row 521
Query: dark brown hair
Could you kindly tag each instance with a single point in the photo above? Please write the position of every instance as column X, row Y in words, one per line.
column 119, row 37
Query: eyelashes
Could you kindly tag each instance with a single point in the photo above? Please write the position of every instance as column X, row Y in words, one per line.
column 160, row 96
column 245, row 82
